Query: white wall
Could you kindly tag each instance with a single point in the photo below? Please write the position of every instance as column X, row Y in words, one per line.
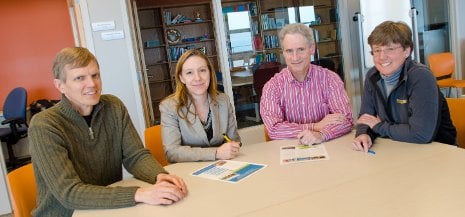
column 116, row 57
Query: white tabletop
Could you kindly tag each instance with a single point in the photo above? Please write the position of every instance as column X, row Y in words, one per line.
column 401, row 179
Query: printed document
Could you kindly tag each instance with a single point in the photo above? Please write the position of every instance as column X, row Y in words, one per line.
column 302, row 153
column 228, row 171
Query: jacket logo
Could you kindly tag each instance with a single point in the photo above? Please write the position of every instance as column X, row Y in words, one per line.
column 401, row 101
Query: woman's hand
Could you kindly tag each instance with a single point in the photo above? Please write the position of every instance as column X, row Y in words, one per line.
column 228, row 150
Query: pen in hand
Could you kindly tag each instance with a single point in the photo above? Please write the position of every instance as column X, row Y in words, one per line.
column 229, row 139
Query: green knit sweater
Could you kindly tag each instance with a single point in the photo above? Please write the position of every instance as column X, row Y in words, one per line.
column 73, row 163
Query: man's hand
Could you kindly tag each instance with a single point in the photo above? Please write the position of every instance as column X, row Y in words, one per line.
column 369, row 120
column 362, row 143
column 163, row 177
column 329, row 119
column 228, row 150
column 167, row 190
column 309, row 137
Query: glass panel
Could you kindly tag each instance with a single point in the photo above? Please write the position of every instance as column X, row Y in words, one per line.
column 252, row 29
column 433, row 27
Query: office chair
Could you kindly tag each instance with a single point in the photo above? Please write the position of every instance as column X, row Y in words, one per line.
column 443, row 66
column 261, row 74
column 457, row 115
column 267, row 136
column 154, row 144
column 23, row 190
column 14, row 111
column 264, row 72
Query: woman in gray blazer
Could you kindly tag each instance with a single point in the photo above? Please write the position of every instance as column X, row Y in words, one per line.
column 195, row 117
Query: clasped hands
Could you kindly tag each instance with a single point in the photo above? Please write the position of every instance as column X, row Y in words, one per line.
column 167, row 190
column 310, row 137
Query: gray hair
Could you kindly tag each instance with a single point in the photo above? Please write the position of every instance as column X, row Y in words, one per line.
column 297, row 28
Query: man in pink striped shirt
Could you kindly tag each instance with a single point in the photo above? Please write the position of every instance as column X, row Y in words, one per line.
column 304, row 101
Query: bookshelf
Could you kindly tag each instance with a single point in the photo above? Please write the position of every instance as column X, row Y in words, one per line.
column 249, row 45
column 267, row 17
column 167, row 31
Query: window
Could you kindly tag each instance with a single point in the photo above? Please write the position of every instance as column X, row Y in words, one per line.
column 240, row 33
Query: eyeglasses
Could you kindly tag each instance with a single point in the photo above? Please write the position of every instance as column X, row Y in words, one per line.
column 386, row 51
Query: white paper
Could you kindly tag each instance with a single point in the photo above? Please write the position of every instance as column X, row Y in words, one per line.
column 101, row 26
column 302, row 153
column 114, row 35
column 228, row 171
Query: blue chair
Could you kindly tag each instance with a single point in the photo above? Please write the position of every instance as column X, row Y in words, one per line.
column 14, row 111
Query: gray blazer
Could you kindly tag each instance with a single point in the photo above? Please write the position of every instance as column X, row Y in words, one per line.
column 185, row 141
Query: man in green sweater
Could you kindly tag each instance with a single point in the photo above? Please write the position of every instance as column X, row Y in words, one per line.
column 80, row 145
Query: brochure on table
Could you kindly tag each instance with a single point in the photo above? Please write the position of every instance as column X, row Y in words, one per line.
column 228, row 171
column 302, row 153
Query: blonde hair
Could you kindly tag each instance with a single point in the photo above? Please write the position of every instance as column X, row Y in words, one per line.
column 181, row 94
column 71, row 58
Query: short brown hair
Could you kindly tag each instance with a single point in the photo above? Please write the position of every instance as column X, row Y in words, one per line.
column 70, row 58
column 181, row 93
column 391, row 32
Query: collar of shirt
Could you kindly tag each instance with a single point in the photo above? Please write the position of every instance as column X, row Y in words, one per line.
column 291, row 79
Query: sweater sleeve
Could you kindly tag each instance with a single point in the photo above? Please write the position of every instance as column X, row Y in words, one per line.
column 56, row 172
column 136, row 159
column 367, row 107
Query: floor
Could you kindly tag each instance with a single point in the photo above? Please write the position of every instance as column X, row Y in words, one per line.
column 7, row 215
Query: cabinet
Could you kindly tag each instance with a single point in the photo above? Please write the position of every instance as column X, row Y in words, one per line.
column 166, row 33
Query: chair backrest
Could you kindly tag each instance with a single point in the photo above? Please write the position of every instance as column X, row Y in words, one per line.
column 267, row 136
column 263, row 73
column 154, row 144
column 442, row 65
column 15, row 104
column 457, row 115
column 23, row 190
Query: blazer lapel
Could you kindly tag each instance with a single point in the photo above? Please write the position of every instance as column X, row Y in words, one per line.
column 214, row 106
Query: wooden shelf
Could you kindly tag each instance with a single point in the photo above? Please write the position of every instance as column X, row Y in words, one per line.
column 190, row 23
column 192, row 42
column 153, row 27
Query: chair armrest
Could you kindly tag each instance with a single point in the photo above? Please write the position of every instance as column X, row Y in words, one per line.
column 12, row 121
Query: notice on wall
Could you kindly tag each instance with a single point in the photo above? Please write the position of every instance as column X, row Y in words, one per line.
column 113, row 35
column 102, row 26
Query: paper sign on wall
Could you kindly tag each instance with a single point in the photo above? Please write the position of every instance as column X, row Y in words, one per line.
column 114, row 35
column 101, row 26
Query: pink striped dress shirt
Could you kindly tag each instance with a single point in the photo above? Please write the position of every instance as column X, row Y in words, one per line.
column 288, row 106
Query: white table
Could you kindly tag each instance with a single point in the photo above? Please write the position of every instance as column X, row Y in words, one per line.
column 402, row 179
